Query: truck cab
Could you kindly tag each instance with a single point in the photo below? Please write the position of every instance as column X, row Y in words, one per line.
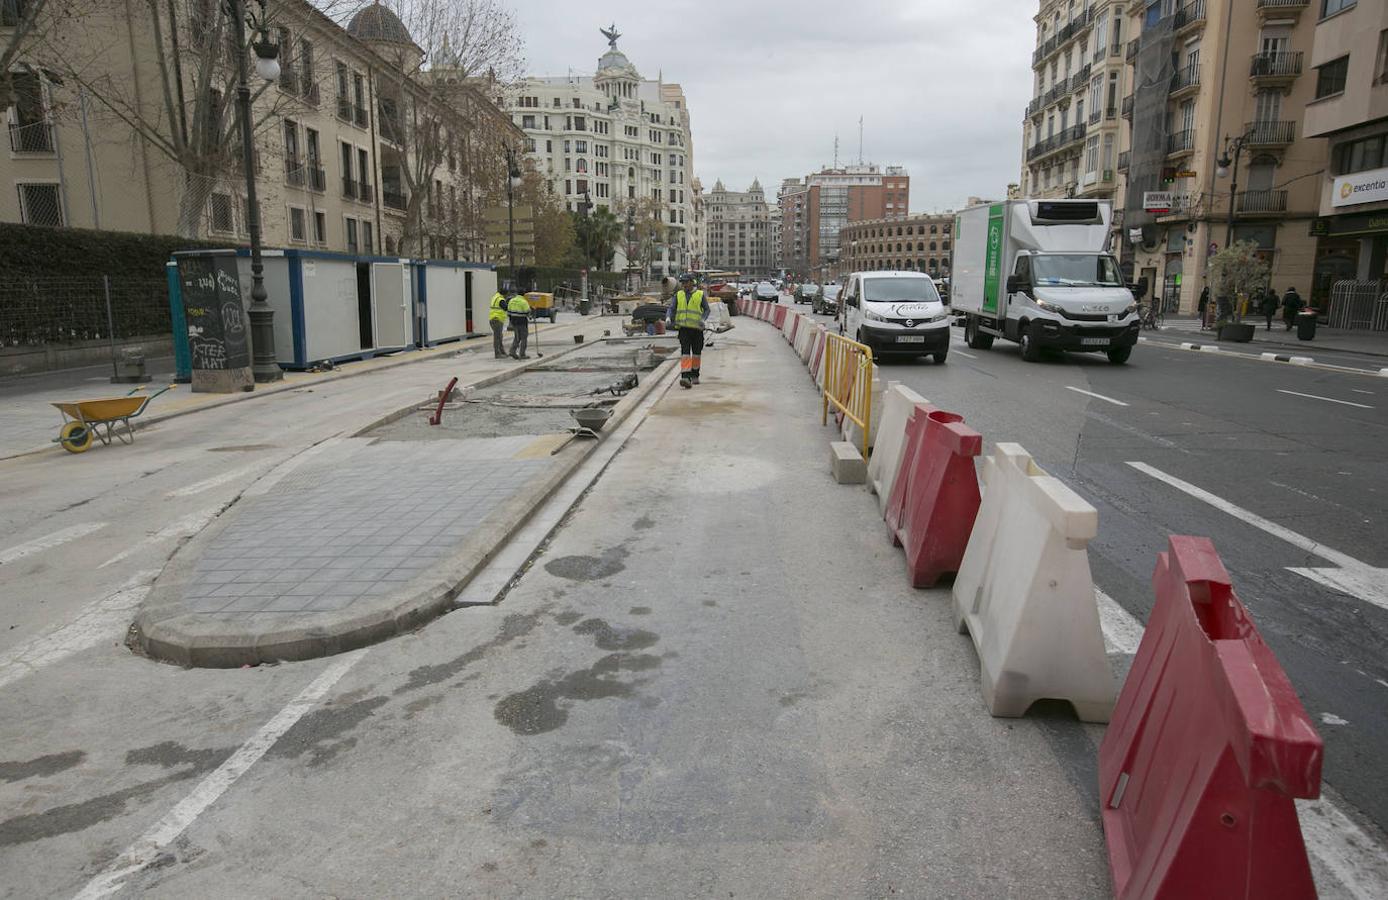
column 895, row 314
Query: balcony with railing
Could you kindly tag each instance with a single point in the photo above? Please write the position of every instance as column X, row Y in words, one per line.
column 344, row 108
column 349, row 188
column 294, row 171
column 1063, row 35
column 1095, row 115
column 33, row 137
column 393, row 199
column 359, row 114
column 1270, row 134
column 1190, row 15
column 1185, row 81
column 1281, row 9
column 1080, row 78
column 1123, row 160
column 365, row 192
column 1110, row 113
column 1275, row 67
column 1260, row 202
column 1128, row 107
column 317, row 178
column 308, row 89
column 1132, row 49
column 1180, row 143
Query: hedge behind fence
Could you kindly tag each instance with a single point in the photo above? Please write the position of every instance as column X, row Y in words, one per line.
column 30, row 250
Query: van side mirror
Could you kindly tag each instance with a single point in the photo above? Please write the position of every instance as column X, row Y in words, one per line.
column 1016, row 284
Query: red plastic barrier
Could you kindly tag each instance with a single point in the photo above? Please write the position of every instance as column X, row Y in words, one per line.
column 794, row 327
column 817, row 355
column 1206, row 749
column 942, row 498
column 778, row 314
column 901, row 488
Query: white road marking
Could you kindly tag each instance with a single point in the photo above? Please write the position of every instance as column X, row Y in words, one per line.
column 1326, row 399
column 106, row 619
column 48, row 541
column 1357, row 391
column 1356, row 861
column 1095, row 396
column 1367, row 583
column 1238, row 512
column 184, row 527
column 965, row 355
column 1332, row 719
column 148, row 846
column 207, row 485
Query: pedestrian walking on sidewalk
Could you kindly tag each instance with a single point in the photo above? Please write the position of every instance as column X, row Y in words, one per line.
column 687, row 312
column 1204, row 307
column 1291, row 305
column 496, row 317
column 1269, row 306
column 518, row 308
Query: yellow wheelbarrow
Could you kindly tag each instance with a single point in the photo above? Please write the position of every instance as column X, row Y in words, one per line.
column 82, row 420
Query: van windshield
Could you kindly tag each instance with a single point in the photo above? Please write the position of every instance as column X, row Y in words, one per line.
column 899, row 290
column 1075, row 270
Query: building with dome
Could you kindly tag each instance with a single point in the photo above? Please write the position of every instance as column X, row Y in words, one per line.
column 336, row 167
column 738, row 230
column 619, row 140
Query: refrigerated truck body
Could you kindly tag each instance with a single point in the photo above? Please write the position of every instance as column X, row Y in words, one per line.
column 1036, row 272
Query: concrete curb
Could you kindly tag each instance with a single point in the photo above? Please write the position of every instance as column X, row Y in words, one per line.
column 1203, row 348
column 438, row 351
column 165, row 630
column 1281, row 357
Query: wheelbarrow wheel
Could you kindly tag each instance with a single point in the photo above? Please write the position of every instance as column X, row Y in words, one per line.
column 75, row 437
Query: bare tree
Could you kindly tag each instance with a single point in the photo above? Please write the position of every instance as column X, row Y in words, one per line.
column 27, row 21
column 432, row 94
column 642, row 230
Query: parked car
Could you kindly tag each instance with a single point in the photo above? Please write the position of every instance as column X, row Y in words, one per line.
column 826, row 302
column 764, row 291
column 896, row 314
column 805, row 292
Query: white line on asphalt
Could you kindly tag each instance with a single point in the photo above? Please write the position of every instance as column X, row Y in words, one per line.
column 1358, row 863
column 1357, row 391
column 1326, row 399
column 965, row 355
column 106, row 619
column 148, row 846
column 1094, row 395
column 48, row 541
column 207, row 485
column 1257, row 521
column 184, row 527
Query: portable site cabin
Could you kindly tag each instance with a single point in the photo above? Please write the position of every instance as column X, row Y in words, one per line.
column 334, row 307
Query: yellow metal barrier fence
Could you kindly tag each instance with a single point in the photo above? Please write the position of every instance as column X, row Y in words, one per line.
column 848, row 383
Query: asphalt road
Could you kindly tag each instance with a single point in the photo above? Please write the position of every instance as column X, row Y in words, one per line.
column 1300, row 447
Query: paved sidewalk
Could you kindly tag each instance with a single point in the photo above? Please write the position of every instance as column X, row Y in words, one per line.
column 29, row 422
column 1364, row 343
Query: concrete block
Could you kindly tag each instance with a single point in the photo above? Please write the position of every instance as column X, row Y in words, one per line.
column 846, row 463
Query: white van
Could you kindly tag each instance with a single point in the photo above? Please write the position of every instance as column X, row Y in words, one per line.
column 896, row 314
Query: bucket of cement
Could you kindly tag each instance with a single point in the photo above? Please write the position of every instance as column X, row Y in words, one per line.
column 578, row 339
column 591, row 418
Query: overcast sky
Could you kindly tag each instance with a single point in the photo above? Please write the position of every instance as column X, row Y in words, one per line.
column 941, row 84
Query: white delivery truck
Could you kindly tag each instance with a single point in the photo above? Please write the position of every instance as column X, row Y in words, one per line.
column 1036, row 272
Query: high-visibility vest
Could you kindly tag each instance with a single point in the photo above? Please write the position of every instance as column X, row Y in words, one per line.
column 518, row 306
column 689, row 310
column 498, row 310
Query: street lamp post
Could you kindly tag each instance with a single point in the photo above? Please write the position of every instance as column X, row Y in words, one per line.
column 513, row 180
column 264, row 368
column 1225, row 166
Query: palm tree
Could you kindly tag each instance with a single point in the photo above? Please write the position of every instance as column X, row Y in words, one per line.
column 598, row 235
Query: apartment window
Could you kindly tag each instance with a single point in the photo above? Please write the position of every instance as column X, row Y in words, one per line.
column 1331, row 7
column 1113, row 90
column 307, row 86
column 344, row 88
column 11, row 11
column 568, row 146
column 580, row 122
column 578, row 104
column 1267, row 106
column 315, row 161
column 366, row 245
column 1330, row 77
column 580, row 146
column 528, row 122
column 1108, row 152
column 1361, row 155
column 529, row 146
column 359, row 98
column 30, row 131
column 351, row 229
column 320, row 227
column 219, row 213
column 349, row 186
column 568, row 186
column 297, row 226
column 364, row 173
column 1091, row 155
column 40, row 204
column 557, row 104
column 1382, row 66
column 291, row 149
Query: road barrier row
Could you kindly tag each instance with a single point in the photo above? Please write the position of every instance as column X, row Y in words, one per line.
column 847, row 383
column 1208, row 744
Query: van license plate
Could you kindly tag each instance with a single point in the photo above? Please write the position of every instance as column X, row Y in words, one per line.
column 911, row 339
column 1094, row 342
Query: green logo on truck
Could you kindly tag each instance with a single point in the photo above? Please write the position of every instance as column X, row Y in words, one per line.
column 992, row 265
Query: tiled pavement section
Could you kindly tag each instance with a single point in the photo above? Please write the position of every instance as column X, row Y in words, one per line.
column 330, row 535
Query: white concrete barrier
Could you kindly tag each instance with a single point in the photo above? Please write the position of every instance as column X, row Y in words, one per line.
column 1025, row 594
column 789, row 324
column 887, row 448
column 718, row 318
column 852, row 433
column 804, row 339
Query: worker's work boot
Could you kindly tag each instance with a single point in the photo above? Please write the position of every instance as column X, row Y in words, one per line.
column 694, row 379
column 686, row 382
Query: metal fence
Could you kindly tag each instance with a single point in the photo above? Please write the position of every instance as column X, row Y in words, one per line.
column 1361, row 305
column 55, row 309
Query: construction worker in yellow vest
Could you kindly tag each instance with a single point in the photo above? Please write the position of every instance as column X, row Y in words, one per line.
column 687, row 313
column 496, row 317
column 518, row 308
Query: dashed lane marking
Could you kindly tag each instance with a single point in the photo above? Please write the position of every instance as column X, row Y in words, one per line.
column 1094, row 395
column 185, row 527
column 48, row 542
column 198, row 487
column 1326, row 399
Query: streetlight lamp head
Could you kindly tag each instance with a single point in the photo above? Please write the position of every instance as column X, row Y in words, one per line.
column 1222, row 166
column 267, row 64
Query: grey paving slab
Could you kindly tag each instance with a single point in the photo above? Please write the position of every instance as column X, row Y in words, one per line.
column 335, row 534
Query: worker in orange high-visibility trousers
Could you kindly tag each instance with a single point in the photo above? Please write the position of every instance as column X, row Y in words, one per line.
column 687, row 312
